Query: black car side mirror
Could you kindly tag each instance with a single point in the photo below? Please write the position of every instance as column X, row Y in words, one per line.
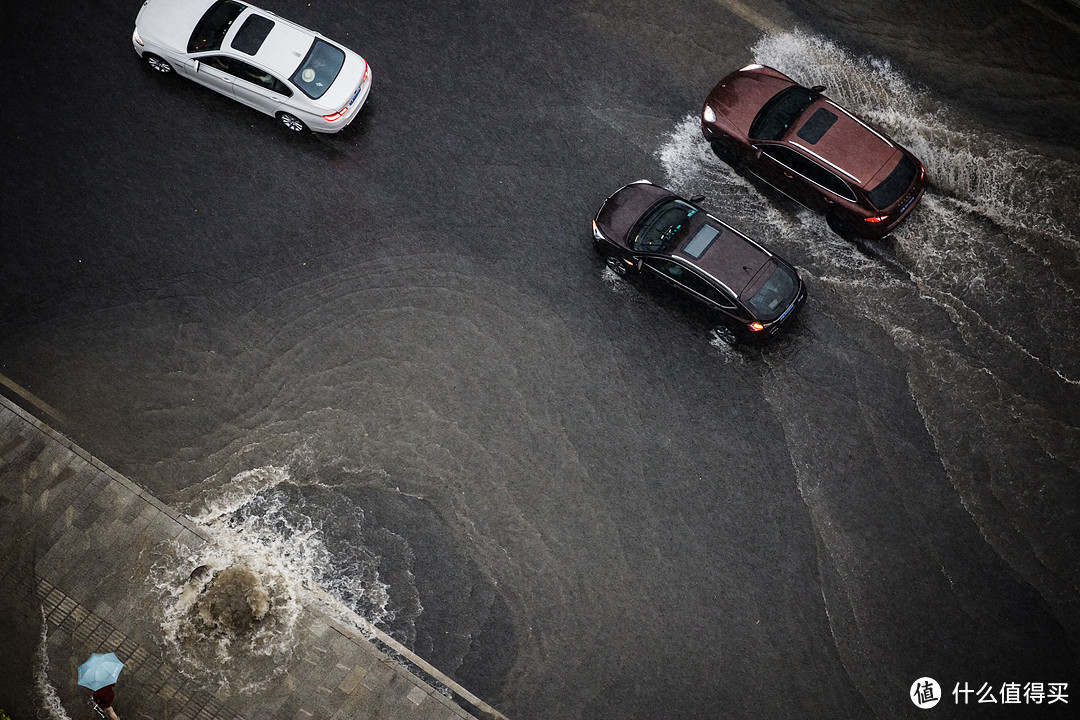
column 818, row 89
column 697, row 198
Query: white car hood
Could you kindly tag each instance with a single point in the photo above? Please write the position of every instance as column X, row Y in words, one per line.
column 169, row 22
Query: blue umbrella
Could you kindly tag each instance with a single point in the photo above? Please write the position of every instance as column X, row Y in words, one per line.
column 100, row 670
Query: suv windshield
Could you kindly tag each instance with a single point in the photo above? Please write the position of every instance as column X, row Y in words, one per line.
column 319, row 69
column 775, row 295
column 781, row 112
column 214, row 25
column 892, row 187
column 658, row 228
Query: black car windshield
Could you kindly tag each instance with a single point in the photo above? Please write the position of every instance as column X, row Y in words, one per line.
column 319, row 69
column 214, row 25
column 657, row 229
column 781, row 112
column 891, row 188
column 773, row 298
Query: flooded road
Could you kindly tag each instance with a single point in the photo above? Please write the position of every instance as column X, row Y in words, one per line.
column 391, row 357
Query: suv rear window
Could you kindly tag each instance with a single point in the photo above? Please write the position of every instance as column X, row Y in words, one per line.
column 214, row 26
column 892, row 187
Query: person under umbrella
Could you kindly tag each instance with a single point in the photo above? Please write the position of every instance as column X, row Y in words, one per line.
column 104, row 698
column 99, row 673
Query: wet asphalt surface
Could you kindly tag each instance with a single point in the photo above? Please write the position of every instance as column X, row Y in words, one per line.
column 601, row 513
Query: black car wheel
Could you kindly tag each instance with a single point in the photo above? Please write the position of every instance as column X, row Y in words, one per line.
column 617, row 266
column 725, row 150
column 158, row 64
column 726, row 334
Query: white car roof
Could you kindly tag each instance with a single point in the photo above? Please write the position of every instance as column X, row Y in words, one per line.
column 284, row 47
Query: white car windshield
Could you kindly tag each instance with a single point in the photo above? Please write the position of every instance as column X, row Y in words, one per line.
column 214, row 25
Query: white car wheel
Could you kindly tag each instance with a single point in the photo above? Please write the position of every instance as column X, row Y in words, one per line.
column 158, row 64
column 291, row 122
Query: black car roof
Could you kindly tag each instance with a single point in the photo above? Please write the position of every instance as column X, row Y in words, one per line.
column 726, row 254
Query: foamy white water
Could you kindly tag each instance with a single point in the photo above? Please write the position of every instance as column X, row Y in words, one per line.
column 257, row 522
column 46, row 699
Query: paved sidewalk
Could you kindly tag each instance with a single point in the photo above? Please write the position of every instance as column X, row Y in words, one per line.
column 78, row 541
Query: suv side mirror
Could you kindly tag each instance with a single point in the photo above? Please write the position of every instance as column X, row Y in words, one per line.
column 697, row 198
column 818, row 89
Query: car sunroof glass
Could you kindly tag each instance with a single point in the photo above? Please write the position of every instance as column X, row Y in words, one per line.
column 249, row 38
column 701, row 241
column 816, row 127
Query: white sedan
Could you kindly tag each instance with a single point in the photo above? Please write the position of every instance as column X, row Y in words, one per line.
column 252, row 55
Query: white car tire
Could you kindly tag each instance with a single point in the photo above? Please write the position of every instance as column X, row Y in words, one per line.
column 293, row 123
column 157, row 64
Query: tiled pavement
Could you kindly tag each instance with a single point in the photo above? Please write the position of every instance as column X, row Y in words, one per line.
column 78, row 540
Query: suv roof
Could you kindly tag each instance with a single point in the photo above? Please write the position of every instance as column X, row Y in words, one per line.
column 841, row 141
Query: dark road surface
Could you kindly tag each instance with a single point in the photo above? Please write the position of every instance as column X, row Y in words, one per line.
column 552, row 483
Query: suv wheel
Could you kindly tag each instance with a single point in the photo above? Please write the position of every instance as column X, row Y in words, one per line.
column 841, row 226
column 725, row 150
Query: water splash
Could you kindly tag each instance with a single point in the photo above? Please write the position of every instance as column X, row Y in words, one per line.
column 1013, row 186
column 239, row 492
column 996, row 232
column 726, row 350
column 46, row 700
column 265, row 547
column 614, row 281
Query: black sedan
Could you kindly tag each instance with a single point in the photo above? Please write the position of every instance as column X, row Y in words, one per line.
column 644, row 228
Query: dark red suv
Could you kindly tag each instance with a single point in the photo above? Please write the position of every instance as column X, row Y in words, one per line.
column 806, row 146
